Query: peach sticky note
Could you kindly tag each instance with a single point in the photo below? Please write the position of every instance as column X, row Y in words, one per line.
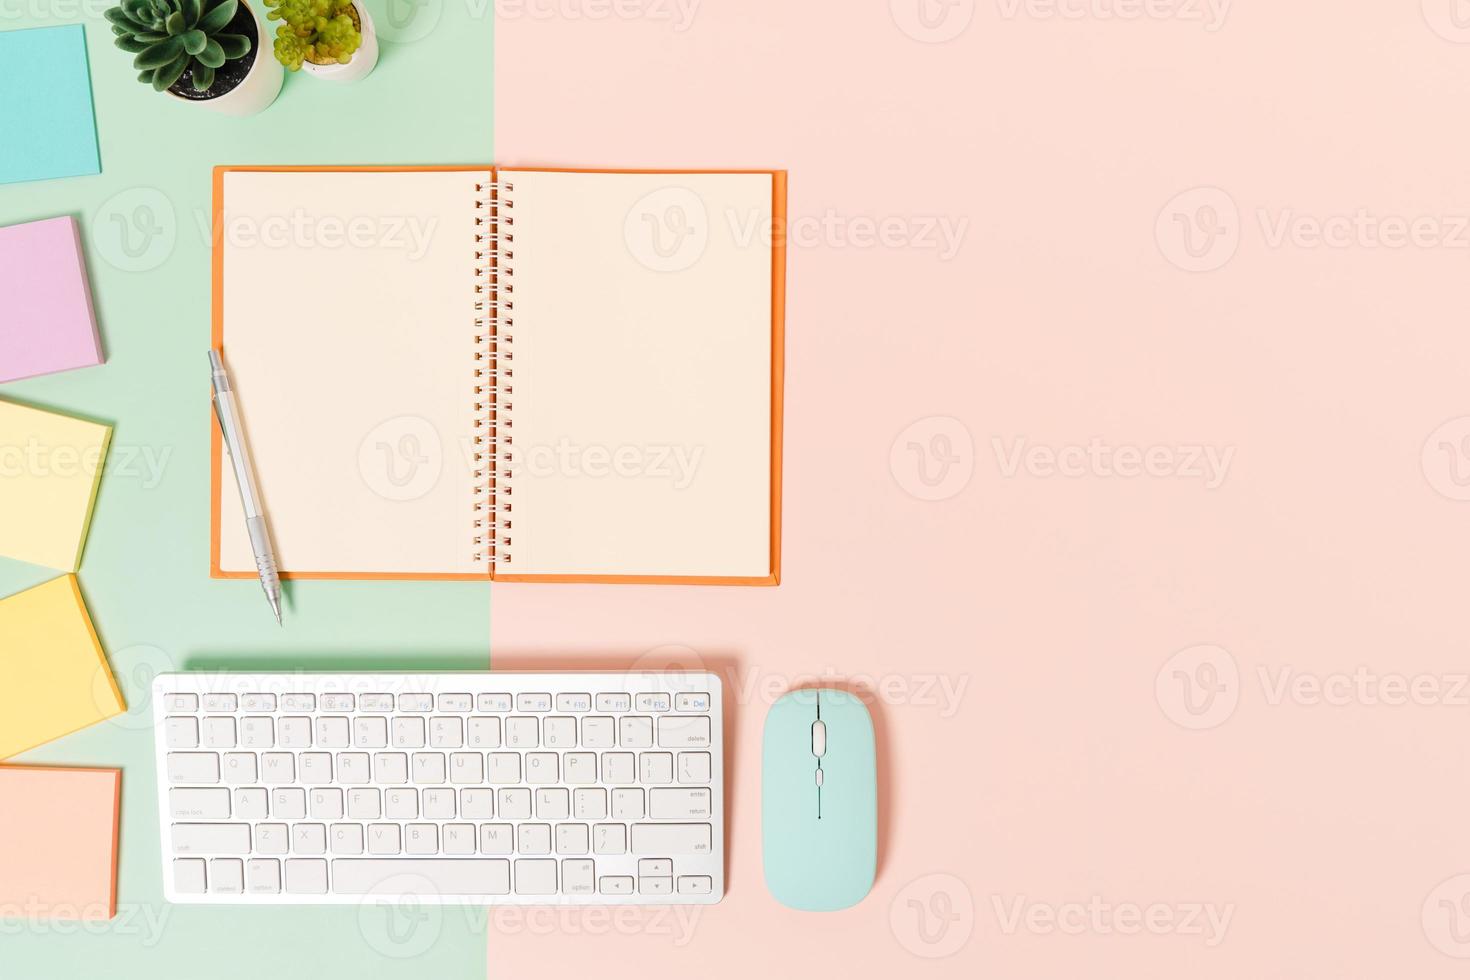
column 58, row 842
column 50, row 465
column 54, row 678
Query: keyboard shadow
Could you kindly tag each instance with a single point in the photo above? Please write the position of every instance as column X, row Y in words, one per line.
column 325, row 661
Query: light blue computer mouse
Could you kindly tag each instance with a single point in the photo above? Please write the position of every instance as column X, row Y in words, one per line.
column 819, row 800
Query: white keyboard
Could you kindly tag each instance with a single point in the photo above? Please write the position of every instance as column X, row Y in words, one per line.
column 458, row 788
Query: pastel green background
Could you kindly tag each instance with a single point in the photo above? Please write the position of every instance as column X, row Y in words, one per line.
column 144, row 573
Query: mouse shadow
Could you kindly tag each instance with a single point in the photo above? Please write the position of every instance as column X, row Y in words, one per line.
column 887, row 791
column 724, row 665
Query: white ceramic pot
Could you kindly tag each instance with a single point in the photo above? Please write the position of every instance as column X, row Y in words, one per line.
column 261, row 85
column 364, row 59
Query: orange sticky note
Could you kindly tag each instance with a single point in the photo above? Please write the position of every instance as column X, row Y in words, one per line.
column 58, row 842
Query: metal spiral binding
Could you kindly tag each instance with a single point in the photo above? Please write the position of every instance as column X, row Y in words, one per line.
column 494, row 369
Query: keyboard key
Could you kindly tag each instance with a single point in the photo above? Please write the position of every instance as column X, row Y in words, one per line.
column 384, row 838
column 421, row 838
column 438, row 803
column 375, row 703
column 298, row 702
column 577, row 877
column 263, row 876
column 428, row 767
column 446, row 733
column 493, row 702
column 456, row 702
column 627, row 804
column 477, row 804
column 400, row 804
column 416, row 702
column 691, row 702
column 505, row 767
column 250, row 804
column 694, row 884
column 390, row 767
column 669, row 838
column 332, row 733
column 610, row 838
column 521, row 732
column 277, row 768
column 466, row 767
column 580, row 767
column 574, row 702
column 272, row 838
column 589, row 803
column 308, row 838
column 240, row 767
column 219, row 733
column 181, row 702
column 652, row 702
column 571, row 838
column 307, row 876
column 541, row 767
column 536, row 877
column 257, row 702
column 408, row 733
column 446, row 876
column 211, row 838
column 193, row 767
column 553, row 804
column 484, row 733
column 679, row 804
column 655, row 886
column 615, row 885
column 533, row 702
column 189, row 876
column 614, row 702
column 338, row 702
column 199, row 804
column 316, row 768
column 533, row 838
column 655, row 767
column 459, row 838
column 346, row 838
column 181, row 733
column 679, row 732
column 514, row 804
column 557, row 731
column 257, row 732
column 326, row 803
column 655, row 867
column 288, row 804
column 635, row 732
column 370, row 733
column 598, row 732
column 352, row 767
column 693, row 767
column 219, row 702
column 618, row 767
column 497, row 838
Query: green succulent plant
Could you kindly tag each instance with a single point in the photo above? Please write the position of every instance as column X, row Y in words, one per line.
column 320, row 31
column 170, row 35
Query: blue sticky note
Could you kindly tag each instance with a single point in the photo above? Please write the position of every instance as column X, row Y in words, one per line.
column 46, row 124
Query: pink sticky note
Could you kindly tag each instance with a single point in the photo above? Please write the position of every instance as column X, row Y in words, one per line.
column 46, row 318
column 58, row 842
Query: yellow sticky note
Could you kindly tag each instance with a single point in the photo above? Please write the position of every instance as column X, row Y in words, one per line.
column 54, row 678
column 49, row 468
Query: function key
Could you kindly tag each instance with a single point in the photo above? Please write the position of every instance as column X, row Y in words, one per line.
column 337, row 702
column 257, row 702
column 653, row 702
column 493, row 702
column 691, row 702
column 574, row 702
column 614, row 702
column 415, row 702
column 181, row 702
column 533, row 702
column 455, row 702
column 298, row 702
column 375, row 703
column 219, row 702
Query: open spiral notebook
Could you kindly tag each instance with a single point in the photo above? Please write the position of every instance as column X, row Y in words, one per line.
column 504, row 373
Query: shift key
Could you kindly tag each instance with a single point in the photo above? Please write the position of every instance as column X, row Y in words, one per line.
column 211, row 838
column 663, row 839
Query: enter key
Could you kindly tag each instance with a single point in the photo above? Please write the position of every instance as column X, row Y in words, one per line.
column 679, row 804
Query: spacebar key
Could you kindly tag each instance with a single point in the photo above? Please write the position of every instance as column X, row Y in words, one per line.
column 664, row 839
column 429, row 877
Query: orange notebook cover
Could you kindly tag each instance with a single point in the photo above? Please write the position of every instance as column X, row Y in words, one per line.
column 520, row 374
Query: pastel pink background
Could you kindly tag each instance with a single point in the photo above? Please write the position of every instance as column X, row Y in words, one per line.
column 1056, row 601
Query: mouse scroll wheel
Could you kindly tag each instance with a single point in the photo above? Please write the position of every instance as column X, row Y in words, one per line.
column 819, row 738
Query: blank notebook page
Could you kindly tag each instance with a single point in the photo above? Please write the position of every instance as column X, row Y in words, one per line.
column 349, row 331
column 641, row 410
